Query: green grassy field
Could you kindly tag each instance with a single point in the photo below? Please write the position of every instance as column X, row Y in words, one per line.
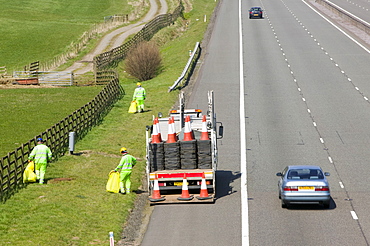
column 29, row 112
column 38, row 30
column 80, row 211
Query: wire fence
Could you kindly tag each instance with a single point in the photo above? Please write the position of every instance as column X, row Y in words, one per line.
column 81, row 121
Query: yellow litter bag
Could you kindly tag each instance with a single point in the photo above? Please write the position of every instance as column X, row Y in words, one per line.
column 113, row 182
column 132, row 108
column 28, row 174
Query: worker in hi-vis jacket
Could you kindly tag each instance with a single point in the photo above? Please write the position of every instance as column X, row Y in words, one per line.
column 139, row 96
column 40, row 155
column 125, row 165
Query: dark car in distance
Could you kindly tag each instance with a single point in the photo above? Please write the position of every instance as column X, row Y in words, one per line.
column 255, row 12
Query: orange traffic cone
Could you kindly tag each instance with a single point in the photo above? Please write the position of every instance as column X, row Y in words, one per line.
column 158, row 129
column 173, row 127
column 185, row 192
column 203, row 190
column 156, row 195
column 155, row 136
column 171, row 137
column 204, row 135
column 188, row 133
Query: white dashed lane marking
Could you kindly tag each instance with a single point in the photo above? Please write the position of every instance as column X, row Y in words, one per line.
column 353, row 213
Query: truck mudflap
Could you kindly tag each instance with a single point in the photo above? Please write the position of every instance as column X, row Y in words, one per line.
column 168, row 186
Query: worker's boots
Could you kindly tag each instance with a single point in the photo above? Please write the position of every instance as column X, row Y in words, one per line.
column 122, row 189
column 42, row 175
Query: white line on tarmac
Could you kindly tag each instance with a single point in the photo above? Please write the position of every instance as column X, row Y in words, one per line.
column 363, row 47
column 341, row 185
column 354, row 216
column 243, row 147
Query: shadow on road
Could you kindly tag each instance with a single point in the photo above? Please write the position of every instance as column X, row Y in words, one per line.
column 224, row 180
column 333, row 205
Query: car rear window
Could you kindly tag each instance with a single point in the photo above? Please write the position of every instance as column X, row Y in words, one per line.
column 305, row 174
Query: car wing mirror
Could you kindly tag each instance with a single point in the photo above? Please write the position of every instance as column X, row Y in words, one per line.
column 327, row 174
column 279, row 174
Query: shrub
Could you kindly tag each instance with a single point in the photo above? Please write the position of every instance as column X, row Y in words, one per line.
column 143, row 61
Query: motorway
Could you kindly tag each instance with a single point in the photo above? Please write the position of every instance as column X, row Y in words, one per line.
column 290, row 89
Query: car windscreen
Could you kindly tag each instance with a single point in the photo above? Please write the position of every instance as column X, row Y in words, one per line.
column 305, row 174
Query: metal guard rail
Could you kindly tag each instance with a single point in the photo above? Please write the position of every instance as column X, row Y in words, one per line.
column 365, row 26
column 188, row 68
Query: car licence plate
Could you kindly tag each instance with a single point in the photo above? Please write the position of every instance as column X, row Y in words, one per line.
column 306, row 188
column 255, row 14
column 179, row 183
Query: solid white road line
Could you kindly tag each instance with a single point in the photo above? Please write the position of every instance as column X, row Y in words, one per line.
column 354, row 40
column 243, row 148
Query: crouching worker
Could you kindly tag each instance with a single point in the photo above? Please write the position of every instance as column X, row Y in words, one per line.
column 125, row 165
column 40, row 155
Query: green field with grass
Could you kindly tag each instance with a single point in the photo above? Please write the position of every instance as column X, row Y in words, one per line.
column 26, row 113
column 78, row 211
column 38, row 30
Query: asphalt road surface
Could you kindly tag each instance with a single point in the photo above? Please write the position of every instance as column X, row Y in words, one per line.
column 290, row 89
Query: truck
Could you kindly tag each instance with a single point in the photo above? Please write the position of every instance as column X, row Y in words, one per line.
column 181, row 154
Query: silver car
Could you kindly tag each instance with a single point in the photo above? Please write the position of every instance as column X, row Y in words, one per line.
column 303, row 185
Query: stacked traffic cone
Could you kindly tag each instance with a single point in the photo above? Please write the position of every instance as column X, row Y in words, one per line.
column 204, row 135
column 171, row 137
column 155, row 136
column 203, row 190
column 156, row 195
column 188, row 133
column 185, row 192
column 173, row 127
column 158, row 129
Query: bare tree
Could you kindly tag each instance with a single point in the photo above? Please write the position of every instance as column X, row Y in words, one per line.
column 143, row 61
